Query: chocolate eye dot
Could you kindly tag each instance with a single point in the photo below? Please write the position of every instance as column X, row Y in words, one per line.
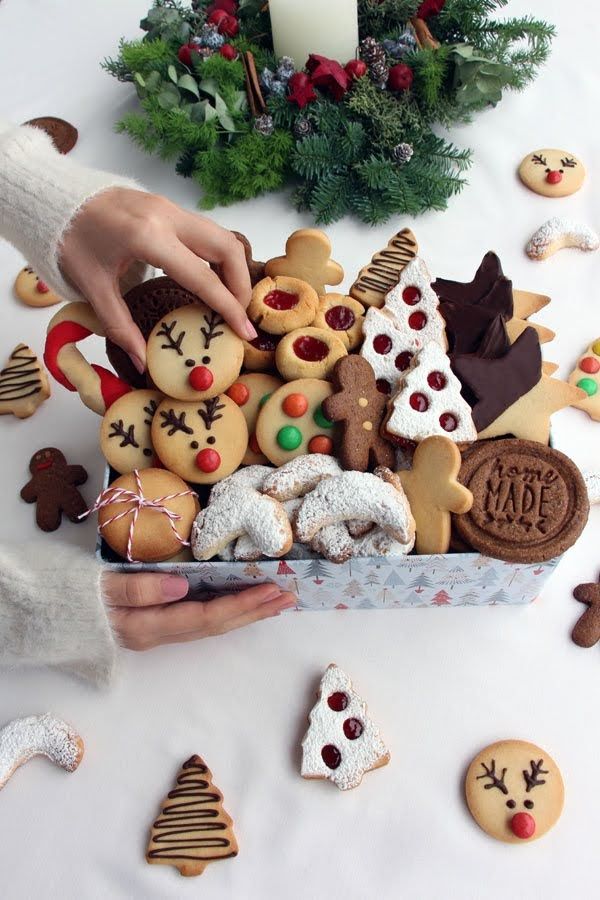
column 511, row 804
column 190, row 363
column 211, row 440
column 205, row 360
column 147, row 451
column 547, row 170
column 561, row 171
column 194, row 445
column 528, row 804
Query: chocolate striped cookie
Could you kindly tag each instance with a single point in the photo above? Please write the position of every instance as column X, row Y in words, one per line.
column 23, row 383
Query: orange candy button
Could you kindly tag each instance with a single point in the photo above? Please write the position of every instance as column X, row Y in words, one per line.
column 320, row 444
column 239, row 393
column 295, row 405
column 253, row 444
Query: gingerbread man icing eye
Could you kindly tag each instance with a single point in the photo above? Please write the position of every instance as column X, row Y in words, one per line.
column 125, row 433
column 193, row 354
column 552, row 173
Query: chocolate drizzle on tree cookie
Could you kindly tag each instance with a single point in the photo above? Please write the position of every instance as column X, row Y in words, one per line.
column 21, row 377
column 383, row 272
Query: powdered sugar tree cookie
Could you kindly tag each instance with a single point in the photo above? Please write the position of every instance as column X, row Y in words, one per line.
column 341, row 743
column 408, row 321
column 429, row 401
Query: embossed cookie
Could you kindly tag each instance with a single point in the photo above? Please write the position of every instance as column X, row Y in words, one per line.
column 125, row 433
column 377, row 279
column 308, row 353
column 343, row 315
column 32, row 291
column 514, row 791
column 551, row 172
column 193, row 354
column 308, row 257
column 202, row 442
column 251, row 392
column 530, row 502
column 281, row 304
column 292, row 422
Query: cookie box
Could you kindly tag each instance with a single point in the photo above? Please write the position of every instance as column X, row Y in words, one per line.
column 454, row 579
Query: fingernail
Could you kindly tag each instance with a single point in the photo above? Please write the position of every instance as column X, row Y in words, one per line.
column 287, row 605
column 272, row 595
column 174, row 587
column 250, row 331
column 137, row 363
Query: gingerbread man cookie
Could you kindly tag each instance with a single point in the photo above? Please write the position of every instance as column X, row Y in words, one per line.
column 292, row 422
column 202, row 442
column 308, row 257
column 125, row 433
column 343, row 315
column 32, row 291
column 193, row 354
column 53, row 487
column 308, row 353
column 23, row 383
column 586, row 376
column 281, row 304
column 552, row 173
column 377, row 279
column 361, row 407
column 251, row 392
column 434, row 492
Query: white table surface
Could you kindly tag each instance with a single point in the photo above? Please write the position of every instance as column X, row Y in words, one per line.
column 441, row 683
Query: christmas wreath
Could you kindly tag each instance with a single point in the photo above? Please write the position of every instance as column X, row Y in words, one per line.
column 351, row 137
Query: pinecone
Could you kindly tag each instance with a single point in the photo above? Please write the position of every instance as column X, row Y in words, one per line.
column 379, row 73
column 371, row 51
column 210, row 37
column 285, row 69
column 402, row 153
column 264, row 125
column 302, row 128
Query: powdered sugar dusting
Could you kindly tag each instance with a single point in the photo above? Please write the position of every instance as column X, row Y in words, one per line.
column 563, row 233
column 592, row 483
column 45, row 735
column 250, row 476
column 300, row 475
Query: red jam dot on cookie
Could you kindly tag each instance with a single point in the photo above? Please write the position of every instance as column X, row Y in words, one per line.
column 331, row 756
column 589, row 385
column 403, row 360
column 289, row 437
column 589, row 365
column 320, row 444
column 337, row 701
column 253, row 444
column 554, row 176
column 281, row 300
column 208, row 460
column 310, row 349
column 448, row 422
column 417, row 321
column 437, row 381
column 522, row 825
column 383, row 386
column 200, row 378
column 382, row 344
column 264, row 342
column 353, row 728
column 419, row 402
column 41, row 287
column 239, row 393
column 411, row 295
column 295, row 405
column 340, row 318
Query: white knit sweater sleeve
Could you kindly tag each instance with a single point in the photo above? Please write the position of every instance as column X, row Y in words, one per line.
column 52, row 612
column 40, row 193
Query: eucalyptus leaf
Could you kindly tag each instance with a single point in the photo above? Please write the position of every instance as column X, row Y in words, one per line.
column 208, row 86
column 187, row 83
column 169, row 97
column 241, row 101
column 211, row 112
column 153, row 82
column 223, row 114
column 198, row 111
column 140, row 79
column 172, row 73
column 184, row 32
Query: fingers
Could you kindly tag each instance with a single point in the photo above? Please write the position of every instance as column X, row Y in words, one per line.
column 117, row 322
column 267, row 610
column 142, row 589
column 218, row 245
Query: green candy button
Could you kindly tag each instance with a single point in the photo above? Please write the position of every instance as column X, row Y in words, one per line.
column 263, row 400
column 321, row 419
column 588, row 385
column 289, row 437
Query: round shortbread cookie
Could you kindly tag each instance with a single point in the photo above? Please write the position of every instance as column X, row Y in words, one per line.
column 259, row 354
column 551, row 172
column 282, row 304
column 125, row 433
column 251, row 392
column 292, row 423
column 343, row 315
column 309, row 353
column 32, row 291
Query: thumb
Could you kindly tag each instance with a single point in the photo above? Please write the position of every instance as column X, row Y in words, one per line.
column 118, row 324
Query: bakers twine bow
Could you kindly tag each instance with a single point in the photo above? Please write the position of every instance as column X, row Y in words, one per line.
column 122, row 495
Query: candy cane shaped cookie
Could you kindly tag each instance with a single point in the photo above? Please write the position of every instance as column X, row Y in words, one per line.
column 45, row 735
column 97, row 386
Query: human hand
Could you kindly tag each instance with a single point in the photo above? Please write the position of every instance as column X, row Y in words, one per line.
column 119, row 226
column 148, row 609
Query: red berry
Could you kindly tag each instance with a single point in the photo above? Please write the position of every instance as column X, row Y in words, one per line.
column 400, row 78
column 184, row 54
column 208, row 460
column 227, row 51
column 356, row 69
column 229, row 6
column 217, row 16
column 226, row 24
column 522, row 825
column 200, row 378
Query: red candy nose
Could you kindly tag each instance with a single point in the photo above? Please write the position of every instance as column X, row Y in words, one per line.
column 201, row 378
column 208, row 461
column 41, row 287
column 522, row 825
column 553, row 176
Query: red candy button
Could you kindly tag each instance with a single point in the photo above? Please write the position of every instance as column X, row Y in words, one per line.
column 403, row 360
column 239, row 393
column 253, row 444
column 208, row 460
column 310, row 349
column 200, row 378
column 554, row 176
column 417, row 321
column 448, row 422
column 382, row 344
column 295, row 405
column 437, row 381
column 522, row 825
column 411, row 295
column 589, row 365
column 340, row 318
column 383, row 386
column 419, row 402
column 337, row 701
column 320, row 444
column 281, row 300
column 353, row 728
column 41, row 287
column 266, row 343
column 331, row 756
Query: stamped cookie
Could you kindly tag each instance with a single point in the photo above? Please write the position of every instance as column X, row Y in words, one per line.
column 53, row 488
column 586, row 376
column 281, row 304
column 377, row 279
column 557, row 234
column 292, row 422
column 126, row 431
column 360, row 407
column 251, row 392
column 62, row 133
column 202, row 442
column 259, row 354
column 342, row 742
column 308, row 257
column 514, row 791
column 32, row 291
column 23, row 383
column 530, row 502
column 343, row 315
column 193, row 354
column 308, row 353
column 586, row 632
column 22, row 739
column 551, row 172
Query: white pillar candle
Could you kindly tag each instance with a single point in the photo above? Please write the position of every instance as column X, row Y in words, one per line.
column 326, row 27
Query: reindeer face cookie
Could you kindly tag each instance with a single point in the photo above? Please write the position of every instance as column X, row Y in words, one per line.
column 202, row 442
column 192, row 354
column 514, row 791
column 32, row 291
column 125, row 433
column 552, row 173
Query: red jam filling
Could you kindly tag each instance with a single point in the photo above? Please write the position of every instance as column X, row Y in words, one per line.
column 281, row 300
column 310, row 349
column 448, row 422
column 411, row 295
column 589, row 365
column 337, row 701
column 417, row 320
column 403, row 360
column 419, row 402
column 331, row 756
column 382, row 344
column 383, row 386
column 340, row 318
column 264, row 342
column 437, row 381
column 353, row 728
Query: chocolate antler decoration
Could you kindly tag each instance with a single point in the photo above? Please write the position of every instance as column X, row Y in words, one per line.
column 150, row 410
column 167, row 332
column 531, row 778
column 210, row 414
column 495, row 782
column 175, row 423
column 128, row 436
column 213, row 320
column 568, row 163
column 538, row 159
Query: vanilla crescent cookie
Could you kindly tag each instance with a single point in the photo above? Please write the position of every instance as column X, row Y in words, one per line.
column 551, row 172
column 250, row 476
column 239, row 510
column 299, row 476
column 556, row 234
column 45, row 735
column 32, row 291
column 337, row 543
column 281, row 304
column 126, row 431
column 245, row 550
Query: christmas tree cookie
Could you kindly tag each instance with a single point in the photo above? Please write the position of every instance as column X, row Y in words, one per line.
column 341, row 743
column 429, row 401
column 586, row 376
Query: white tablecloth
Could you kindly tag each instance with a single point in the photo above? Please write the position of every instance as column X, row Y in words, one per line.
column 441, row 683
